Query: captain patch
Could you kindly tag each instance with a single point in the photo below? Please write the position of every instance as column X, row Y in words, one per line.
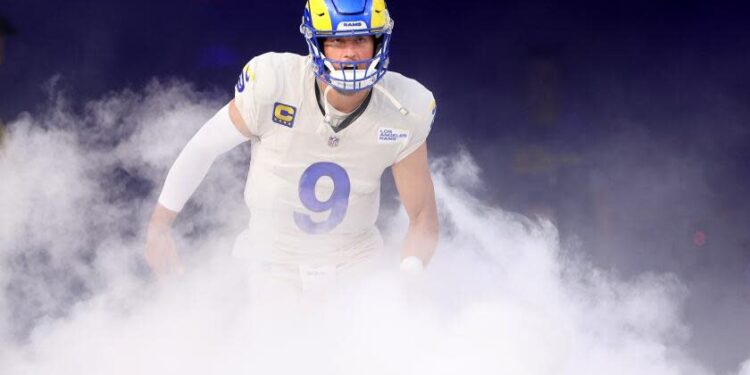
column 390, row 135
column 284, row 114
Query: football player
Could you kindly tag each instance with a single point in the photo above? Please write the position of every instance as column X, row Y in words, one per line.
column 323, row 128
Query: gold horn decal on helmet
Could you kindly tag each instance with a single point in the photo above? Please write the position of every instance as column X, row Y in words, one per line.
column 379, row 12
column 321, row 17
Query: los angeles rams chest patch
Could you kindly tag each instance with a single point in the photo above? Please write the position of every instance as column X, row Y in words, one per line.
column 390, row 135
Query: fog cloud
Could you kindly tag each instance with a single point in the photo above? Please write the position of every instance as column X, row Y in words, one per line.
column 500, row 297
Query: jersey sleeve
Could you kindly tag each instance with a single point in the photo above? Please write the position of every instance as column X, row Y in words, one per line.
column 257, row 82
column 421, row 124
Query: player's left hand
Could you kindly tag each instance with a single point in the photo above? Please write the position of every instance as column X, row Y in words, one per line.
column 412, row 275
column 412, row 265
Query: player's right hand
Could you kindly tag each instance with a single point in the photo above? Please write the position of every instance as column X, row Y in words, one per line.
column 161, row 253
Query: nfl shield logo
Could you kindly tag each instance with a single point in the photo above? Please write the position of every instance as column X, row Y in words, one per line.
column 333, row 141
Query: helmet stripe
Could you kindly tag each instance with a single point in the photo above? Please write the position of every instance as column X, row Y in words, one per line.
column 321, row 17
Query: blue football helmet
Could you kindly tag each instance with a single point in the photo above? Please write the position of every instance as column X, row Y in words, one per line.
column 344, row 18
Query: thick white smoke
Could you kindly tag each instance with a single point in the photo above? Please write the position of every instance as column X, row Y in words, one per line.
column 500, row 296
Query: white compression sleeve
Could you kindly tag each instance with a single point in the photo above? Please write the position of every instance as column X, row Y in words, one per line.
column 216, row 137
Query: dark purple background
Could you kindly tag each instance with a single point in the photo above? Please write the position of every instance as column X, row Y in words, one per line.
column 627, row 122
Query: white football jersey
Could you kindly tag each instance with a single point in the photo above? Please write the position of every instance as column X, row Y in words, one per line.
column 314, row 193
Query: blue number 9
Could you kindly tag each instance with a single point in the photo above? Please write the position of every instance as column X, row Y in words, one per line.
column 337, row 203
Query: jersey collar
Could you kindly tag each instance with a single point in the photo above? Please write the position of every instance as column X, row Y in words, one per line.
column 352, row 117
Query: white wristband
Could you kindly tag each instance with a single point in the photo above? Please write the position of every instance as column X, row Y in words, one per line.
column 412, row 265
